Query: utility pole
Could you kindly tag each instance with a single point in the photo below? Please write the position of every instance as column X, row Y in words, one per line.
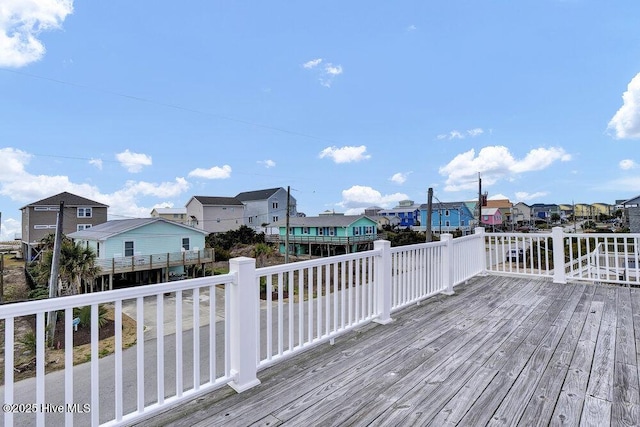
column 55, row 268
column 286, row 236
column 429, row 213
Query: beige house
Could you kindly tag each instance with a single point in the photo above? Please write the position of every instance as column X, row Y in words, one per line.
column 178, row 215
column 215, row 214
column 39, row 219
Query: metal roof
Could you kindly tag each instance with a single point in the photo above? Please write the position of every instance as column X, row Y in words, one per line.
column 112, row 228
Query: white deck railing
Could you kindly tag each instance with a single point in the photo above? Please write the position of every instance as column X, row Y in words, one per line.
column 196, row 335
column 603, row 258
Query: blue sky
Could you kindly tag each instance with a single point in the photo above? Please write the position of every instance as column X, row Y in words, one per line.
column 352, row 104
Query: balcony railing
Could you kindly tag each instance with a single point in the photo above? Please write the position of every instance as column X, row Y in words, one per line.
column 197, row 335
column 318, row 240
column 154, row 261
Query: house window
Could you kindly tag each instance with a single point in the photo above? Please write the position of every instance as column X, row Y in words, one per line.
column 305, row 230
column 356, row 231
column 83, row 227
column 320, row 231
column 128, row 248
column 447, row 223
column 446, row 212
column 250, row 220
column 291, row 230
column 43, row 227
column 274, row 219
column 332, row 231
column 217, row 219
column 98, row 250
column 185, row 243
column 274, row 205
column 84, row 213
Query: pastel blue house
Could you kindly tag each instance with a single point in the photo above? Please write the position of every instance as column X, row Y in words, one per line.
column 147, row 246
column 448, row 217
column 327, row 234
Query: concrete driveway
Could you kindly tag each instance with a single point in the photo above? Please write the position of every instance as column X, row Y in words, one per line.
column 129, row 307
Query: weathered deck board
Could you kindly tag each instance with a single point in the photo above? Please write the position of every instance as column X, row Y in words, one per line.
column 502, row 351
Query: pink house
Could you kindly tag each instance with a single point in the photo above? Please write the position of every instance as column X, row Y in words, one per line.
column 491, row 216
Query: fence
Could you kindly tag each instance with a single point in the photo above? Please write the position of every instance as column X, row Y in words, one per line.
column 194, row 336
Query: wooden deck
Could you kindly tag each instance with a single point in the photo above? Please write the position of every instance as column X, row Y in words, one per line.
column 501, row 351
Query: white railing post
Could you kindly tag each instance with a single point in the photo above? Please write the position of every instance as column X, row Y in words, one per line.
column 448, row 263
column 559, row 275
column 243, row 317
column 383, row 282
column 482, row 254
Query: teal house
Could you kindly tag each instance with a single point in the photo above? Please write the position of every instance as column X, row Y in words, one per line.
column 327, row 234
column 152, row 248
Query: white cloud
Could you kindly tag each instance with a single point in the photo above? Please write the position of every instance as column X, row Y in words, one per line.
column 13, row 162
column 524, row 196
column 346, row 154
column 495, row 163
column 312, row 63
column 216, row 172
column 21, row 22
column 359, row 197
column 10, row 229
column 267, row 163
column 625, row 124
column 133, row 162
column 627, row 164
column 400, row 177
column 21, row 186
column 327, row 73
column 96, row 162
column 411, row 28
column 456, row 134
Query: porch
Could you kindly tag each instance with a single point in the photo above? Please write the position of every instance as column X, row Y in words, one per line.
column 501, row 351
column 449, row 332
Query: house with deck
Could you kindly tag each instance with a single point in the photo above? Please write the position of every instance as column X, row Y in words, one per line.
column 39, row 219
column 407, row 211
column 144, row 250
column 326, row 234
column 521, row 214
column 491, row 217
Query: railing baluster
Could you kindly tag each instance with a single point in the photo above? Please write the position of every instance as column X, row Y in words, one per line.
column 160, row 347
column 68, row 364
column 40, row 362
column 213, row 306
column 118, row 359
column 179, row 343
column 9, row 343
column 196, row 339
column 95, row 367
column 139, row 352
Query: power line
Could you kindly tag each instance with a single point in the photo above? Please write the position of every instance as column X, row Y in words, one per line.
column 169, row 105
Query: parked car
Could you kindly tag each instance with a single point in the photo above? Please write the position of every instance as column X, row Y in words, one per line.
column 515, row 255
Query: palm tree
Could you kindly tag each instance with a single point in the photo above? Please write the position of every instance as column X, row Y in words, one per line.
column 77, row 264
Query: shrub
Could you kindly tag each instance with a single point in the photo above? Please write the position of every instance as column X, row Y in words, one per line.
column 84, row 314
